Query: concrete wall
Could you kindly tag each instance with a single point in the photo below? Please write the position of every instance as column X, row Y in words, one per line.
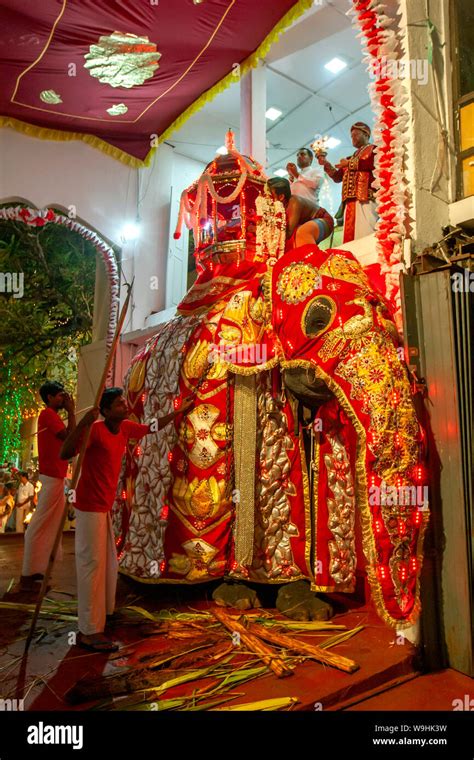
column 431, row 160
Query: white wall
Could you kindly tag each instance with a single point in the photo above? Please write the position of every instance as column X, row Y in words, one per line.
column 104, row 193
column 46, row 172
column 185, row 171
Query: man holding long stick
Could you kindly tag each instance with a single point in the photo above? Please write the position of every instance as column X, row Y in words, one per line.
column 96, row 557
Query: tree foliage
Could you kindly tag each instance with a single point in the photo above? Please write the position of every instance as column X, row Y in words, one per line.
column 42, row 331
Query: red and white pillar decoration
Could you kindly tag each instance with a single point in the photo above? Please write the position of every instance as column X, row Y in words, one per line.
column 380, row 46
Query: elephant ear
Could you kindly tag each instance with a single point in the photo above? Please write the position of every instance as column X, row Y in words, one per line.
column 318, row 316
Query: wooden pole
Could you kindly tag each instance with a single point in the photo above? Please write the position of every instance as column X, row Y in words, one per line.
column 273, row 661
column 301, row 647
column 77, row 468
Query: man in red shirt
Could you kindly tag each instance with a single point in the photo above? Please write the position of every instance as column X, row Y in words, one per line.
column 356, row 174
column 96, row 556
column 44, row 525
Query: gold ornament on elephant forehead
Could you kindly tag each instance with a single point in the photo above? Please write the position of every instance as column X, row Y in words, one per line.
column 297, row 281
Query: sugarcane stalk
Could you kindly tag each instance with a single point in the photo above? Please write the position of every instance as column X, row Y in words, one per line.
column 254, row 643
column 301, row 647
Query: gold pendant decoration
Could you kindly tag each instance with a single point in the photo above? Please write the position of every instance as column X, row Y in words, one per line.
column 198, row 562
column 201, row 430
column 117, row 109
column 297, row 281
column 51, row 97
column 122, row 60
column 199, row 499
column 197, row 360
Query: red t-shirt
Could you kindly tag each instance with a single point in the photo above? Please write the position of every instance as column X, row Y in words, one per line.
column 101, row 466
column 49, row 424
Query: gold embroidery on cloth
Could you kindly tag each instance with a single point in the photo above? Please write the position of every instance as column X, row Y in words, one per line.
column 200, row 499
column 50, row 96
column 354, row 330
column 341, row 515
column 273, row 556
column 196, row 360
column 213, row 287
column 198, row 562
column 122, row 60
column 245, row 431
column 341, row 268
column 200, row 431
column 117, row 109
column 376, row 376
column 297, row 281
column 368, row 537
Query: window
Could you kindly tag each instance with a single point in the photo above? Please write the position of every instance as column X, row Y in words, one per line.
column 463, row 66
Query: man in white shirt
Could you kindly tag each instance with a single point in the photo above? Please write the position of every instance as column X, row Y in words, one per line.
column 7, row 503
column 24, row 501
column 305, row 180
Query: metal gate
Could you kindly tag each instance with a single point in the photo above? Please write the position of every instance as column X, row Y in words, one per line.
column 438, row 314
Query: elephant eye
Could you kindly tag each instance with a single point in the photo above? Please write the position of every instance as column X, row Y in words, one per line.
column 318, row 316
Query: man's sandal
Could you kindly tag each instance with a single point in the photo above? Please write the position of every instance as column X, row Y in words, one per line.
column 96, row 642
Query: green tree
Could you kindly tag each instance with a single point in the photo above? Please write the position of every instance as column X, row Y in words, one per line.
column 42, row 331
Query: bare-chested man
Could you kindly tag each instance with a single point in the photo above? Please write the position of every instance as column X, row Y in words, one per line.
column 306, row 222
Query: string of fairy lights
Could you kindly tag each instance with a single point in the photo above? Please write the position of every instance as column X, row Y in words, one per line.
column 19, row 404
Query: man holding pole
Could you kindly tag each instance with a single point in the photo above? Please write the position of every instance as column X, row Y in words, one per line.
column 96, row 557
column 44, row 525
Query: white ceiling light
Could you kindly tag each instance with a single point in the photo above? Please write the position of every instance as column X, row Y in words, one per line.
column 335, row 65
column 222, row 151
column 130, row 231
column 332, row 142
column 281, row 173
column 272, row 113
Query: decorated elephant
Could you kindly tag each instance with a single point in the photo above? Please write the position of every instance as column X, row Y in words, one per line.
column 303, row 427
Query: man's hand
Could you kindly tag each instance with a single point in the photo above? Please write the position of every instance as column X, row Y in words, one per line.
column 90, row 417
column 69, row 404
column 343, row 163
column 322, row 161
column 186, row 405
column 292, row 170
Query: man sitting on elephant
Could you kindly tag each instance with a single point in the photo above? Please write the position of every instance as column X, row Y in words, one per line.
column 306, row 221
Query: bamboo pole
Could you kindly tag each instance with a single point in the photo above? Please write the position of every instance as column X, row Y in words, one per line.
column 267, row 655
column 32, row 435
column 301, row 647
column 77, row 469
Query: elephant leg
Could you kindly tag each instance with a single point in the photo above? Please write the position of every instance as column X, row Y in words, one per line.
column 298, row 602
column 236, row 595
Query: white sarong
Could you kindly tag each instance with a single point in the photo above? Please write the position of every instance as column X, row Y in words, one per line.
column 44, row 525
column 96, row 570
